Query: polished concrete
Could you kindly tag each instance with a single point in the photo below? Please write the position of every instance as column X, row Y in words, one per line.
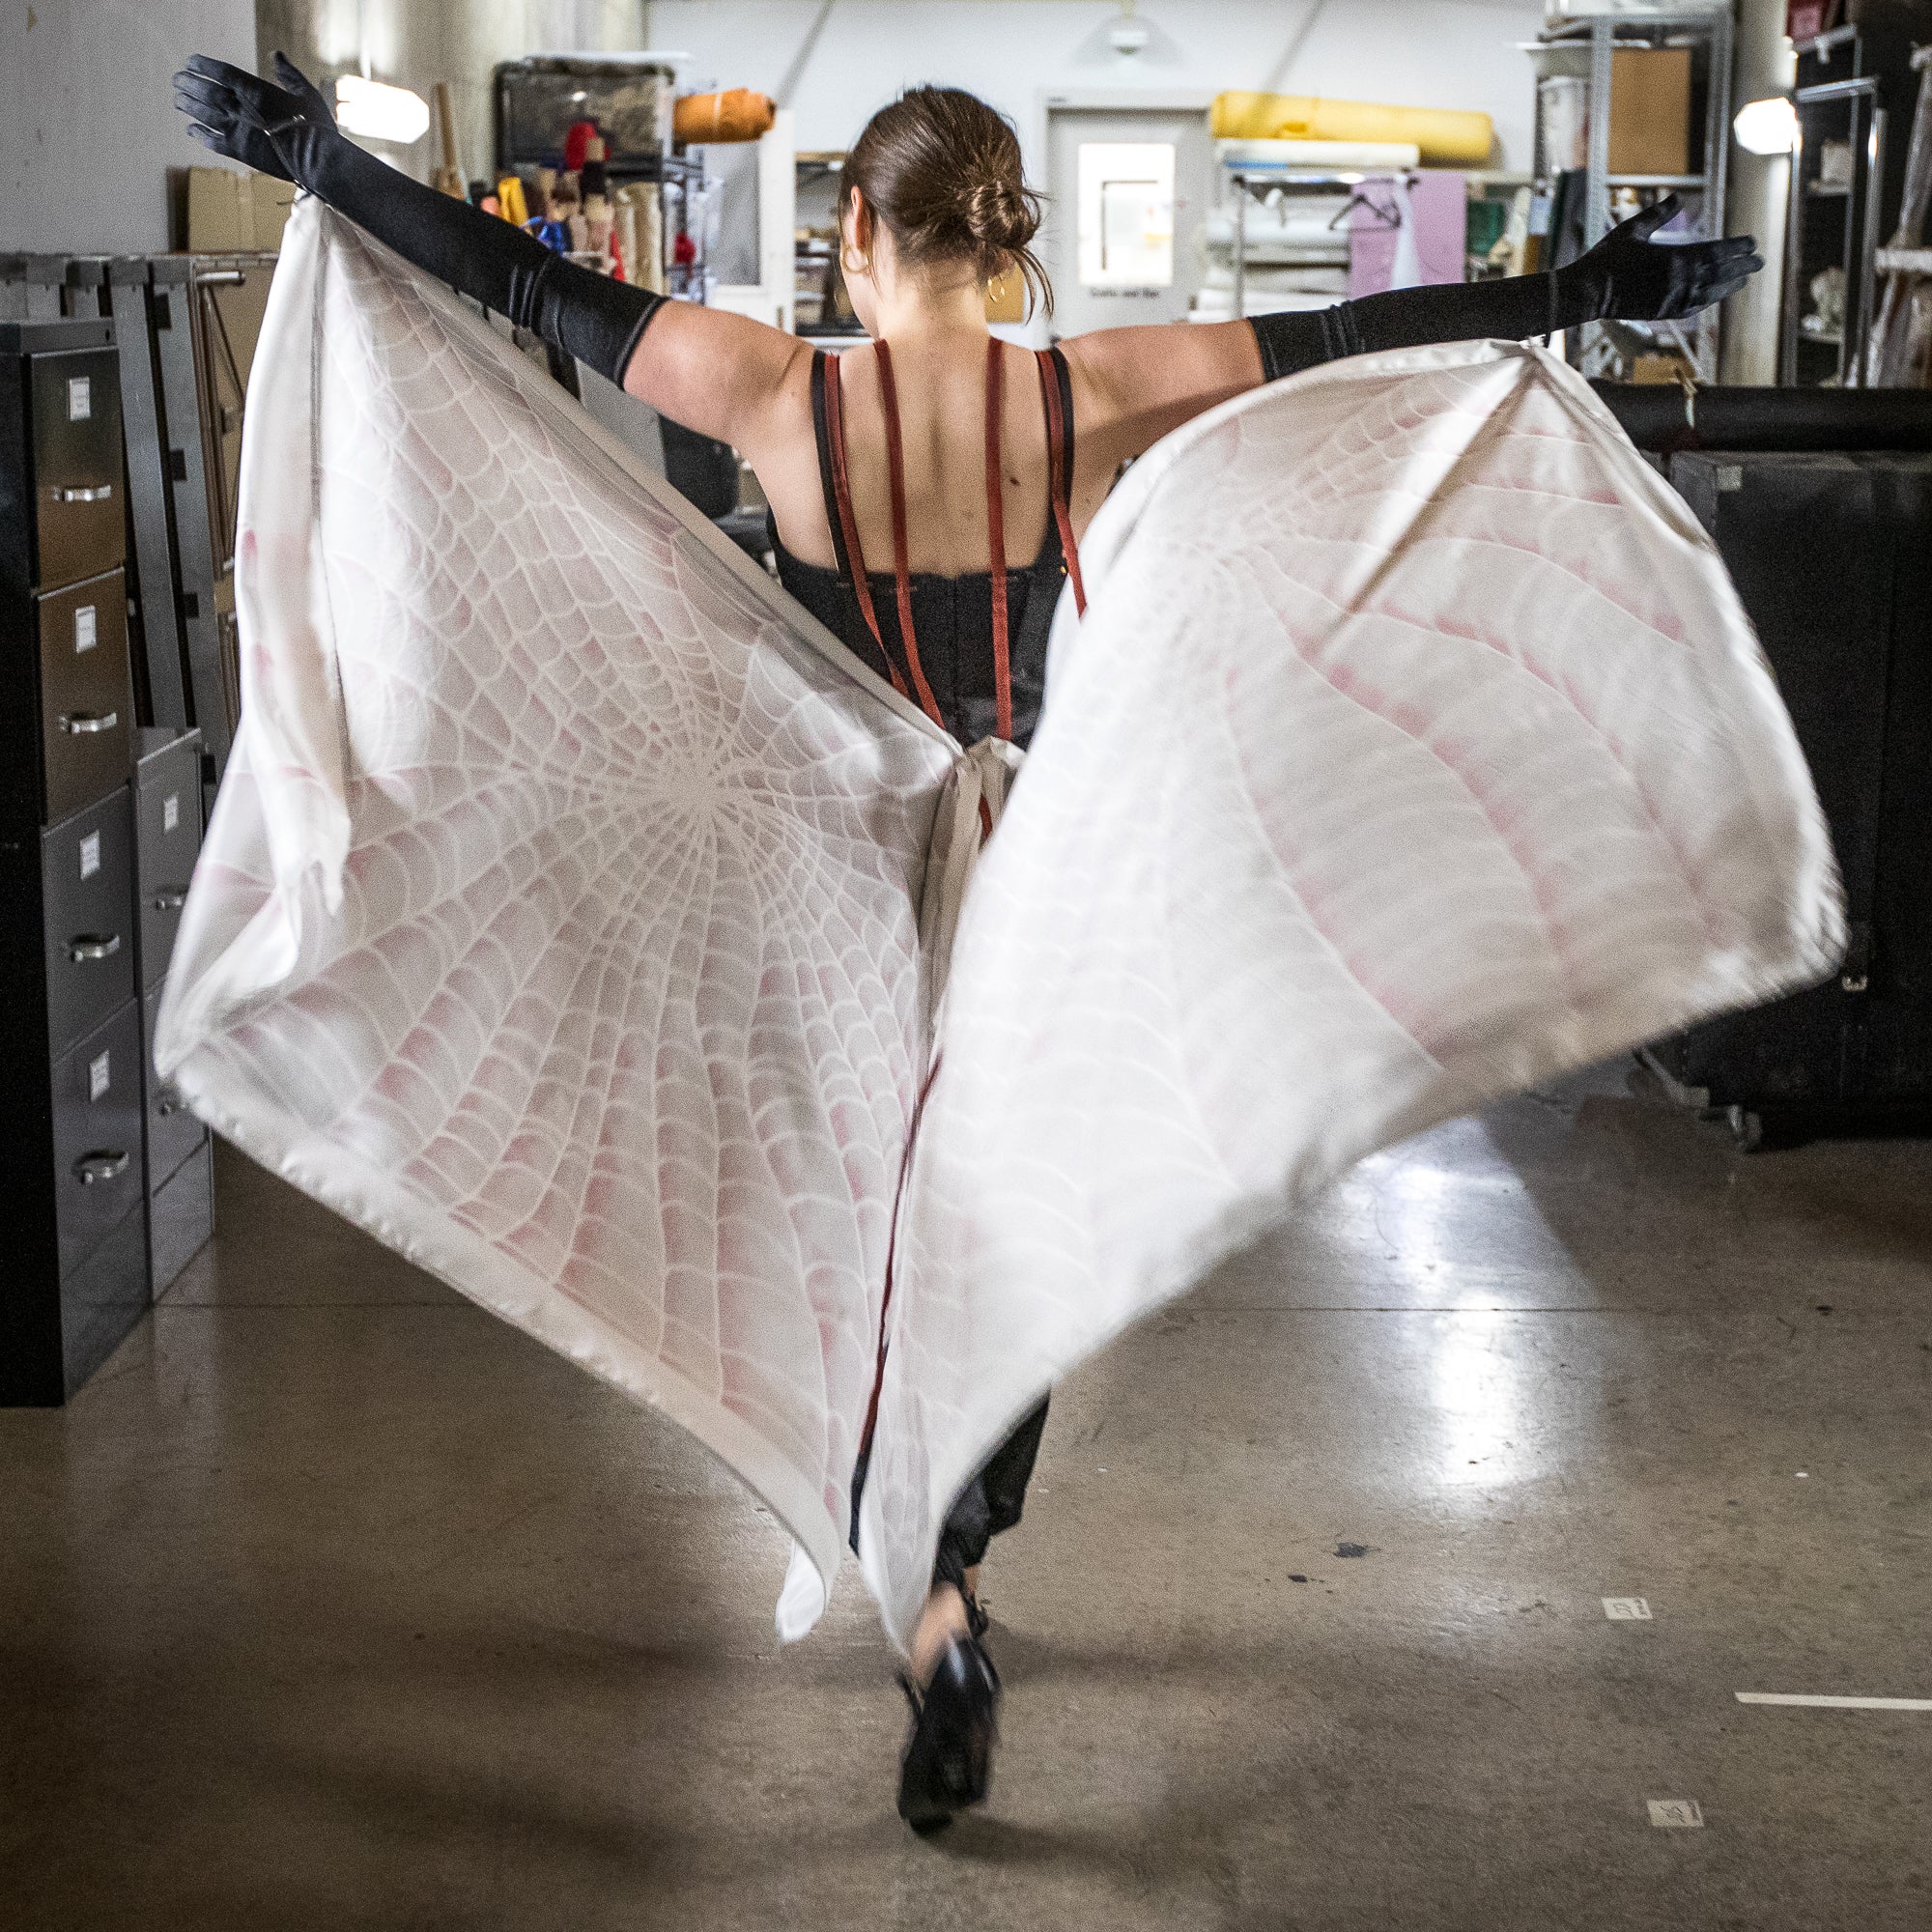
column 334, row 1602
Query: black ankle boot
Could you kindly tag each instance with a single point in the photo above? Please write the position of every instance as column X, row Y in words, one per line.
column 949, row 1757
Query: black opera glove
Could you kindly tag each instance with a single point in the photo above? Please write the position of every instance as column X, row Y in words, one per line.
column 1626, row 277
column 288, row 131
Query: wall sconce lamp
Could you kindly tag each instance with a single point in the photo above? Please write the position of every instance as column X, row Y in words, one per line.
column 1767, row 127
column 379, row 112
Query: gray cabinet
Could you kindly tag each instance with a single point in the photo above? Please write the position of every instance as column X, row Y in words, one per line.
column 110, row 1180
column 167, row 841
column 73, row 1139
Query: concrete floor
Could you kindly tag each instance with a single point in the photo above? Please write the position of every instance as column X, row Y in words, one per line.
column 334, row 1602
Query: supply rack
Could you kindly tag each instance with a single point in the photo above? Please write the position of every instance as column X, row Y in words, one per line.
column 1587, row 45
column 1250, row 177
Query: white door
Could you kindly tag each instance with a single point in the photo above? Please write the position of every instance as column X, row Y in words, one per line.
column 1129, row 190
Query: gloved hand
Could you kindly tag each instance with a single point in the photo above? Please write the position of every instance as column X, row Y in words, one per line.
column 285, row 130
column 289, row 131
column 1627, row 277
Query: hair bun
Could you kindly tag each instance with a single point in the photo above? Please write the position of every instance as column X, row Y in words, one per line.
column 998, row 214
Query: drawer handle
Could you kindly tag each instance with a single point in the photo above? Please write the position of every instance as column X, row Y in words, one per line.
column 172, row 900
column 168, row 1104
column 83, row 723
column 93, row 946
column 99, row 1166
column 99, row 493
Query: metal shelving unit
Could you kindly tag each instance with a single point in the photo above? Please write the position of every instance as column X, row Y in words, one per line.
column 1836, row 224
column 1249, row 181
column 1587, row 47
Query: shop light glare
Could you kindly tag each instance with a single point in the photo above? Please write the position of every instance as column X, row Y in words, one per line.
column 379, row 112
column 1767, row 127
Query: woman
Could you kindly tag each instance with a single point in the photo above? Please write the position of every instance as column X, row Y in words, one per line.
column 950, row 453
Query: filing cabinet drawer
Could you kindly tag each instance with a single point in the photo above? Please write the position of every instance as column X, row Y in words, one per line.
column 98, row 1166
column 88, row 891
column 181, row 1218
column 167, row 841
column 86, row 701
column 79, row 520
column 173, row 1132
column 103, row 1298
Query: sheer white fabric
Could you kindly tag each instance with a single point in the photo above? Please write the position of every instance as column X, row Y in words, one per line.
column 564, row 919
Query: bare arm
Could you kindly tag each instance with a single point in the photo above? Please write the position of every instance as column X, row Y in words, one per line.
column 724, row 375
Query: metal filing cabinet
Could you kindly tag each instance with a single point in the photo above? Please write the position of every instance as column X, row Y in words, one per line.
column 167, row 841
column 71, row 1102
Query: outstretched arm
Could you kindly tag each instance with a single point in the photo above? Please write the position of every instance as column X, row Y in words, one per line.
column 719, row 375
column 1142, row 382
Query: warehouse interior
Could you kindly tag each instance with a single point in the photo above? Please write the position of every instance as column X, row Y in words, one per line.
column 332, row 1599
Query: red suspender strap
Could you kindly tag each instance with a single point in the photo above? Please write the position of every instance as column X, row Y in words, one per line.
column 1058, row 467
column 996, row 538
column 901, row 569
column 841, row 490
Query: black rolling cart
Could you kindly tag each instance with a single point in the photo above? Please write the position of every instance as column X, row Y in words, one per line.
column 1832, row 553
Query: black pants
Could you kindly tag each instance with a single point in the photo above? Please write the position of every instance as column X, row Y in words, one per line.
column 992, row 1501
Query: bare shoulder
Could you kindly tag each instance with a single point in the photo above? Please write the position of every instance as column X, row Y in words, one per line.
column 1132, row 386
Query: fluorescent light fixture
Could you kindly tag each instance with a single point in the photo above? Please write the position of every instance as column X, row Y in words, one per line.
column 1767, row 127
column 378, row 112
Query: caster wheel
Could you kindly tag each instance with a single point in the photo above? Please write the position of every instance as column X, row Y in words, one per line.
column 1746, row 1128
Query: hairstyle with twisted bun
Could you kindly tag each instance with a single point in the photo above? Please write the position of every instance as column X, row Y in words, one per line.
column 942, row 170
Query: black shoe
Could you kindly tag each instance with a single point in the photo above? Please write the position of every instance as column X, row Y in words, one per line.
column 949, row 1758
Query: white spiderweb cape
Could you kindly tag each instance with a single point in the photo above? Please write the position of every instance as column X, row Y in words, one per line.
column 560, row 920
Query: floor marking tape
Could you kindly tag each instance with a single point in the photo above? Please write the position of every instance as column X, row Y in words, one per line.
column 1835, row 1703
column 1675, row 1815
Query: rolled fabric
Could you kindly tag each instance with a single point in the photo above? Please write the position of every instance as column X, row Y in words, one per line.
column 1441, row 133
column 736, row 115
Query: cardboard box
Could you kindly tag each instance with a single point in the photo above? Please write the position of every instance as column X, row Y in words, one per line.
column 1650, row 112
column 231, row 212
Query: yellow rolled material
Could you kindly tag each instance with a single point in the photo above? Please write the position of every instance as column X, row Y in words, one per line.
column 1443, row 133
column 736, row 115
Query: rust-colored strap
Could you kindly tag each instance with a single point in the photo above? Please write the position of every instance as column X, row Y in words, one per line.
column 841, row 490
column 996, row 538
column 901, row 567
column 1058, row 466
column 871, row 1427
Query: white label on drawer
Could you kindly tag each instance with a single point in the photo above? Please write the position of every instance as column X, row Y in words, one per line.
column 171, row 811
column 99, row 1077
column 90, row 855
column 79, row 398
column 85, row 634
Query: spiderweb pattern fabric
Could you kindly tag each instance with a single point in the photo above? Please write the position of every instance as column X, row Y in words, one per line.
column 1414, row 749
column 560, row 917
column 557, row 921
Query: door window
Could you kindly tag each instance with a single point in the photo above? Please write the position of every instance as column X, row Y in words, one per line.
column 1126, row 215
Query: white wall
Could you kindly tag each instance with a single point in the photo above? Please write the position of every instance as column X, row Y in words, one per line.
column 88, row 127
column 1418, row 53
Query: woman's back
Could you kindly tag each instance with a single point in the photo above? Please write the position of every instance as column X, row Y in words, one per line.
column 965, row 640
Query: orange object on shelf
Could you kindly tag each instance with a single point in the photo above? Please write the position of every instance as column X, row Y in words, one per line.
column 736, row 115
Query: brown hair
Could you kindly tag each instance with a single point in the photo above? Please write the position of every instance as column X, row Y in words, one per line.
column 942, row 170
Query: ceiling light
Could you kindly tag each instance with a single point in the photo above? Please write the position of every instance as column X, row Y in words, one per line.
column 1767, row 127
column 378, row 112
